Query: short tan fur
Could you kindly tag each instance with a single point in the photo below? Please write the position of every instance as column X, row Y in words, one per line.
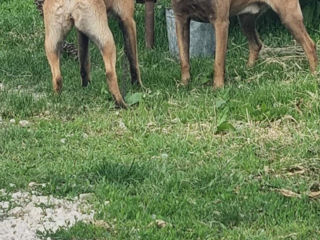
column 90, row 17
column 218, row 12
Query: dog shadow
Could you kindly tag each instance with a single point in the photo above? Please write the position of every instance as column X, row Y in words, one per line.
column 86, row 180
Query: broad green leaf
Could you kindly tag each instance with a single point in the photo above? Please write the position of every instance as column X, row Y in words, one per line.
column 205, row 81
column 220, row 103
column 224, row 116
column 135, row 98
column 264, row 108
column 225, row 127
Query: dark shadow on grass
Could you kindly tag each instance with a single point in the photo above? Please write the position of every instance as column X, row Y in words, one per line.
column 119, row 173
column 84, row 181
column 79, row 231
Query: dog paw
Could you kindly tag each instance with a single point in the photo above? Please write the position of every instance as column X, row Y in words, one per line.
column 121, row 104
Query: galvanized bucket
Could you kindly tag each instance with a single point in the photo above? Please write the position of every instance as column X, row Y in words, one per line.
column 202, row 39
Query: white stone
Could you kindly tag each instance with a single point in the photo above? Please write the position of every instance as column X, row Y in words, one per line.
column 86, row 196
column 4, row 205
column 32, row 184
column 122, row 125
column 24, row 221
column 164, row 155
column 24, row 123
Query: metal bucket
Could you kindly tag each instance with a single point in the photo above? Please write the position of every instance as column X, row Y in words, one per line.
column 202, row 39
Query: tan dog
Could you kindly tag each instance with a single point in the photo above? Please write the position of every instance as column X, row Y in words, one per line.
column 218, row 12
column 90, row 19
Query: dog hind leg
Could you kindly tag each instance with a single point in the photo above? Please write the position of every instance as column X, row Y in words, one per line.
column 183, row 36
column 92, row 21
column 128, row 27
column 84, row 58
column 54, row 36
column 247, row 23
column 291, row 17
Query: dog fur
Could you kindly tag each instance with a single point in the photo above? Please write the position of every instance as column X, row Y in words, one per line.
column 217, row 12
column 90, row 17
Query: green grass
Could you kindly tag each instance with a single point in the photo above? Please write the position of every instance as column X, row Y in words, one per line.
column 170, row 161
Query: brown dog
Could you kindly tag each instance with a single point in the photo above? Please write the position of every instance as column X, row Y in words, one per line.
column 90, row 19
column 218, row 12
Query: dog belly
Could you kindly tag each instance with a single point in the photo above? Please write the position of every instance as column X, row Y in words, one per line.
column 205, row 10
column 199, row 10
column 252, row 9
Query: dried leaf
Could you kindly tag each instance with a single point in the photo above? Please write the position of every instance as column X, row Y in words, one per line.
column 161, row 223
column 314, row 195
column 288, row 193
column 296, row 170
column 290, row 236
column 266, row 169
column 33, row 185
column 237, row 189
column 102, row 224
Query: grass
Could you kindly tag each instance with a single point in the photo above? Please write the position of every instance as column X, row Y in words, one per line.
column 208, row 163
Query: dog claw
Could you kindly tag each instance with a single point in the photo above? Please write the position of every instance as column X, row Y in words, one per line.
column 85, row 83
column 218, row 85
column 184, row 82
column 121, row 104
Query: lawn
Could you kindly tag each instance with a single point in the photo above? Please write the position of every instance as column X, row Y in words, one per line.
column 235, row 163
